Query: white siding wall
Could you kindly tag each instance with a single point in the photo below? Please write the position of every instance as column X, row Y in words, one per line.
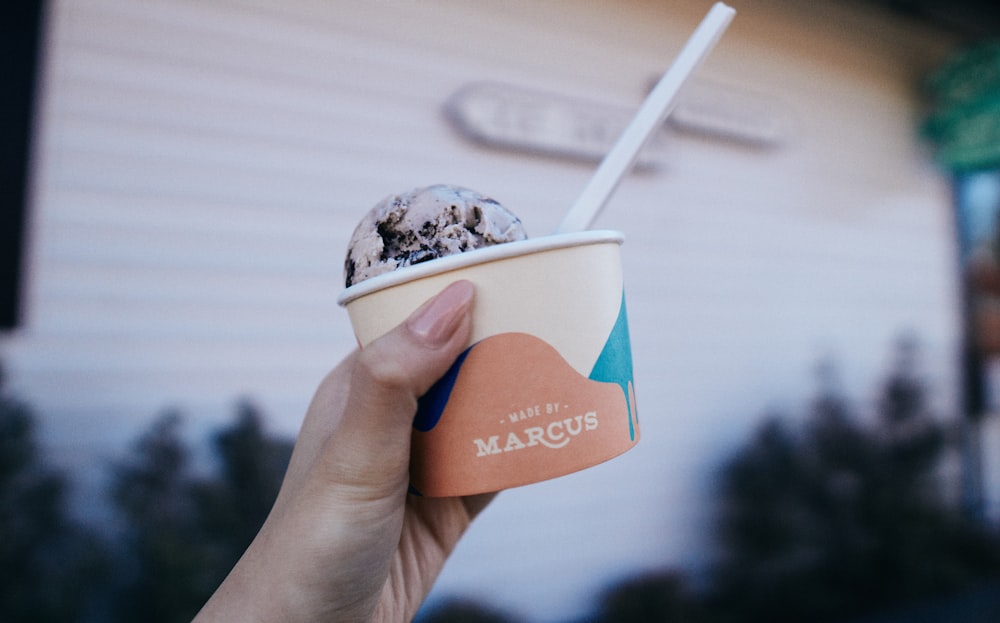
column 200, row 166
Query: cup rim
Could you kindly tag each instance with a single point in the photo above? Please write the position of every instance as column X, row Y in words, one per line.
column 478, row 256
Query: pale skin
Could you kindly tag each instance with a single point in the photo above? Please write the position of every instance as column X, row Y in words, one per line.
column 345, row 541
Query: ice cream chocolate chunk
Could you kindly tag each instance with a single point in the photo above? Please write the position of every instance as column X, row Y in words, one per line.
column 424, row 224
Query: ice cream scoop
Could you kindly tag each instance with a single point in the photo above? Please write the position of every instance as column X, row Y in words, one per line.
column 424, row 224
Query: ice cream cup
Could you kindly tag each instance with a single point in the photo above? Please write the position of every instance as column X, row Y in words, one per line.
column 544, row 387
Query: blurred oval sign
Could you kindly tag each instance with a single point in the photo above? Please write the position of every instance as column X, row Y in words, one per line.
column 508, row 117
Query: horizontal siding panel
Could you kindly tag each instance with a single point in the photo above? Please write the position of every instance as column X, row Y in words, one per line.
column 189, row 355
column 196, row 248
column 108, row 316
column 248, row 286
column 247, row 43
column 253, row 219
column 165, row 146
column 140, row 78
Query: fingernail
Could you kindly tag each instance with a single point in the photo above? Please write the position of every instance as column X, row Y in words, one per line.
column 436, row 320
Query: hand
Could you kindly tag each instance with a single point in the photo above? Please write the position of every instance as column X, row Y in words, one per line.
column 344, row 541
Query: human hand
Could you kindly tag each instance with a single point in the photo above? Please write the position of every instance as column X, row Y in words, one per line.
column 344, row 541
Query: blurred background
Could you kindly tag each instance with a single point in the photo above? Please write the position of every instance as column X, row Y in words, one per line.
column 813, row 364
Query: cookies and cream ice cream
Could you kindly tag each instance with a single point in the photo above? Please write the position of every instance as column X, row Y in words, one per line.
column 424, row 224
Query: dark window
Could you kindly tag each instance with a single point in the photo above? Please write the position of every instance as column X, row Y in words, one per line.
column 19, row 41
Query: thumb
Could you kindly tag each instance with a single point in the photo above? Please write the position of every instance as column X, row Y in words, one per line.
column 372, row 442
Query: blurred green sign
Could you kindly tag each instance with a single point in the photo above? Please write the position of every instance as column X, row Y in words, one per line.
column 964, row 123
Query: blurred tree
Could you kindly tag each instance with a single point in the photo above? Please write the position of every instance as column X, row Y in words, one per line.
column 49, row 563
column 233, row 506
column 842, row 519
column 463, row 611
column 662, row 597
column 186, row 530
column 163, row 571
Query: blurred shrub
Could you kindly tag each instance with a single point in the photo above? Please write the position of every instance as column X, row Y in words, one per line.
column 181, row 529
column 663, row 597
column 185, row 531
column 839, row 518
column 460, row 610
column 49, row 564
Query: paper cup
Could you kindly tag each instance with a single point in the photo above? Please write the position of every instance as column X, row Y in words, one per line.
column 545, row 386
